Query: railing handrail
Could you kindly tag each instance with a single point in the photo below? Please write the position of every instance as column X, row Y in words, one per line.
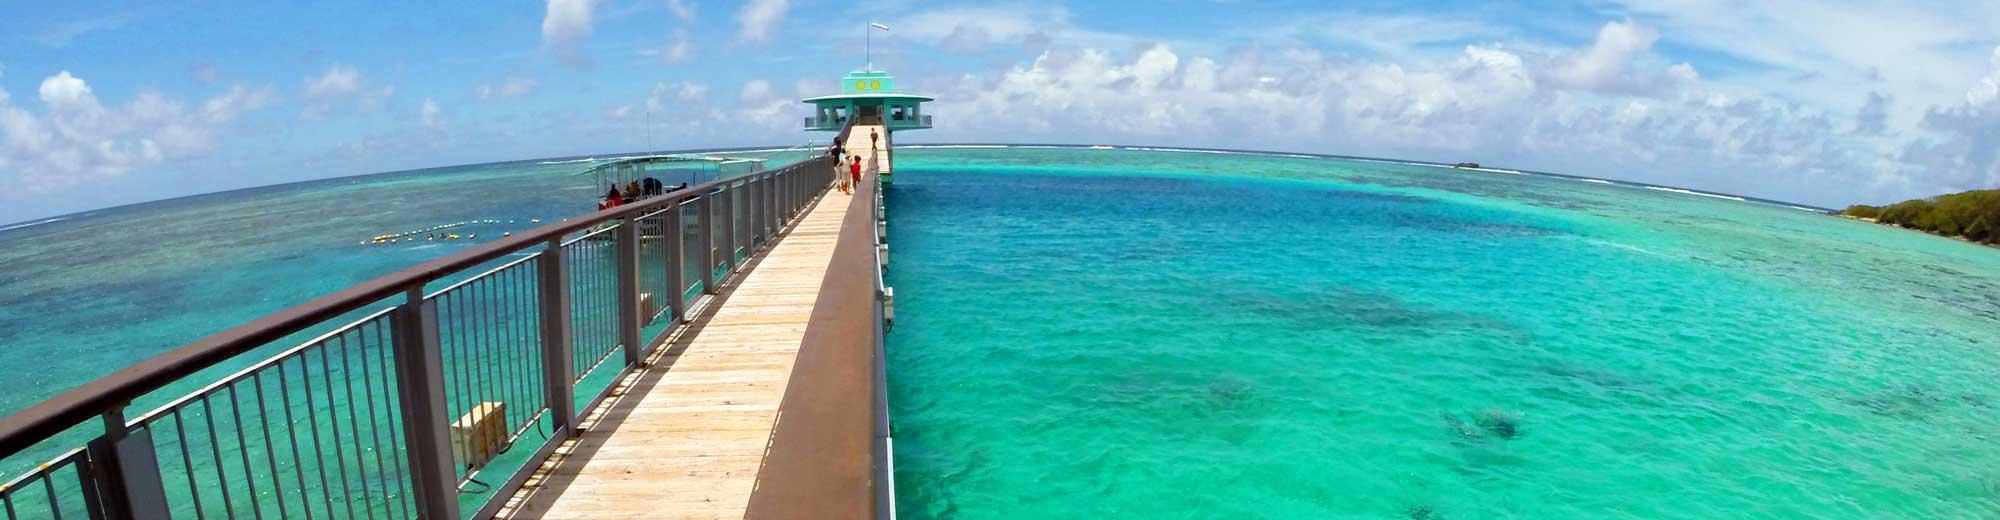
column 23, row 429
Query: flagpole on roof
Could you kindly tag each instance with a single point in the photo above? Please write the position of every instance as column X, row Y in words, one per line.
column 868, row 42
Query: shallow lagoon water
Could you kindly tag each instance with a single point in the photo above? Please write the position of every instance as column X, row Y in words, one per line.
column 1091, row 333
column 1172, row 335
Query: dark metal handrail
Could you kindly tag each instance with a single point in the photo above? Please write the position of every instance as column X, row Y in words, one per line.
column 770, row 199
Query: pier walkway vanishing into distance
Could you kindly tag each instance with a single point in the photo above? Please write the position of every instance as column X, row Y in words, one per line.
column 714, row 352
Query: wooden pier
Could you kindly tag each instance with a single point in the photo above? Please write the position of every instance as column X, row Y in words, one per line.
column 761, row 407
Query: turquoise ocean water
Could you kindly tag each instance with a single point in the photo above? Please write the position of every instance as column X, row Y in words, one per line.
column 1144, row 334
column 84, row 295
column 1120, row 334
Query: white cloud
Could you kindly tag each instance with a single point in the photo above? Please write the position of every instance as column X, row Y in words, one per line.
column 1484, row 103
column 755, row 20
column 511, row 87
column 62, row 34
column 235, row 102
column 1915, row 54
column 1396, row 36
column 63, row 92
column 78, row 139
column 564, row 27
column 1988, row 88
column 340, row 80
column 682, row 9
column 975, row 28
column 430, row 116
column 340, row 83
column 1961, row 148
column 1603, row 65
column 675, row 100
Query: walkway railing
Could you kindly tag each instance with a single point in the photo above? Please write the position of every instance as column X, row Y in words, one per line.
column 416, row 410
column 883, row 444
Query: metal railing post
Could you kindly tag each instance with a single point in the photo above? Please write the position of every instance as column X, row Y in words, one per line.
column 751, row 231
column 124, row 473
column 728, row 212
column 628, row 290
column 676, row 263
column 764, row 208
column 420, row 391
column 552, row 277
column 770, row 207
column 708, row 243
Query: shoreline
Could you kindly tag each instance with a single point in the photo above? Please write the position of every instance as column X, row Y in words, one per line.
column 1995, row 245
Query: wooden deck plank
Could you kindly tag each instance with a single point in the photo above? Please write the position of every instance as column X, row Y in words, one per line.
column 686, row 437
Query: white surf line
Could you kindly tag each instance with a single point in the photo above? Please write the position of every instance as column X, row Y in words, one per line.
column 1103, row 147
column 571, row 161
column 1494, row 170
column 1691, row 192
column 29, row 224
column 1598, row 181
column 1190, row 150
column 1218, row 152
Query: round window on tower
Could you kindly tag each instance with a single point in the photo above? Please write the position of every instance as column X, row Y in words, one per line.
column 860, row 84
column 875, row 85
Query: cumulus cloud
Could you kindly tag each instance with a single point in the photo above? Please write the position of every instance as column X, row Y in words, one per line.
column 1616, row 62
column 340, row 83
column 238, row 100
column 1962, row 148
column 564, row 27
column 511, row 87
column 755, row 20
column 430, row 115
column 680, row 99
column 1485, row 102
column 79, row 139
column 339, row 80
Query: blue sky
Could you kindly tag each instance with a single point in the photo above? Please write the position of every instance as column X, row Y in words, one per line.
column 1823, row 102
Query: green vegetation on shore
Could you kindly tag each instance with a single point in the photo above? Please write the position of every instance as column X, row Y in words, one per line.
column 1972, row 215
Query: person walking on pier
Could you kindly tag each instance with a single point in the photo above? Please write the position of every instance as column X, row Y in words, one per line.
column 874, row 141
column 854, row 174
column 839, row 181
